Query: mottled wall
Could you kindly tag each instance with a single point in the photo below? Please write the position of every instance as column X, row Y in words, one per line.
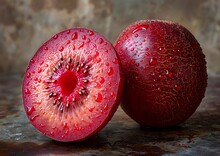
column 26, row 24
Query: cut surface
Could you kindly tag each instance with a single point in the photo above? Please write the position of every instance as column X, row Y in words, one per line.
column 72, row 85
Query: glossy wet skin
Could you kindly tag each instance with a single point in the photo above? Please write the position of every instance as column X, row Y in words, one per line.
column 165, row 72
column 72, row 85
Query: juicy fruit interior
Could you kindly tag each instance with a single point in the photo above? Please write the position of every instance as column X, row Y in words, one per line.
column 165, row 72
column 72, row 84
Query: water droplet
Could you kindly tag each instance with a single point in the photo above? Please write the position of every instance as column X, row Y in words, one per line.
column 67, row 132
column 159, row 89
column 68, row 31
column 101, row 80
column 112, row 94
column 177, row 87
column 55, row 36
column 81, row 45
column 28, row 75
column 68, row 42
column 27, row 91
column 91, row 33
column 61, row 49
column 34, row 117
column 30, row 110
column 168, row 73
column 106, row 107
column 110, row 71
column 142, row 27
column 41, row 62
column 73, row 47
column 39, row 70
column 98, row 97
column 153, row 61
column 161, row 76
column 65, row 125
column 32, row 61
column 115, row 61
column 84, row 37
column 45, row 48
column 101, row 40
column 96, row 54
column 91, row 109
column 75, row 36
column 136, row 35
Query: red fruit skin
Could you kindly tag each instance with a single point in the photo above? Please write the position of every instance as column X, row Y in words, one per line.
column 87, row 46
column 165, row 72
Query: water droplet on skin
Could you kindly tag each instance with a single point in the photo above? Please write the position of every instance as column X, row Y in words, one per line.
column 55, row 36
column 46, row 48
column 98, row 97
column 28, row 75
column 34, row 117
column 75, row 36
column 27, row 91
column 73, row 47
column 52, row 133
column 106, row 107
column 101, row 41
column 115, row 61
column 84, row 37
column 81, row 45
column 30, row 110
column 68, row 42
column 177, row 87
column 41, row 62
column 136, row 35
column 32, row 61
column 142, row 27
column 96, row 54
column 168, row 73
column 61, row 49
column 159, row 89
column 161, row 76
column 101, row 80
column 110, row 71
column 112, row 94
column 91, row 109
column 65, row 125
column 42, row 125
column 68, row 31
column 39, row 70
column 91, row 33
column 153, row 61
column 67, row 132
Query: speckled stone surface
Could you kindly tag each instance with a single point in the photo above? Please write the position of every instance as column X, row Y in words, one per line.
column 199, row 135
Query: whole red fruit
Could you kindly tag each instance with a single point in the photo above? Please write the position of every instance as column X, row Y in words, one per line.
column 72, row 85
column 165, row 72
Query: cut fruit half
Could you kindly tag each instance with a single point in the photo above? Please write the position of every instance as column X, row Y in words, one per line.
column 72, row 85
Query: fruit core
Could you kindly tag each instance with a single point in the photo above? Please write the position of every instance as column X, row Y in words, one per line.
column 67, row 81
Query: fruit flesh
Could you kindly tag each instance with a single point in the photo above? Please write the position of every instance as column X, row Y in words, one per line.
column 165, row 72
column 62, row 92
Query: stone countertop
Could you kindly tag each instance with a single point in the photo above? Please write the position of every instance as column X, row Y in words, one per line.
column 199, row 135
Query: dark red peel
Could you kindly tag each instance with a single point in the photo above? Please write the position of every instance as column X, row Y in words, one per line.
column 165, row 72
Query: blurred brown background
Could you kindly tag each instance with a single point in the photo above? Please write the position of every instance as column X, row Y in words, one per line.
column 26, row 24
